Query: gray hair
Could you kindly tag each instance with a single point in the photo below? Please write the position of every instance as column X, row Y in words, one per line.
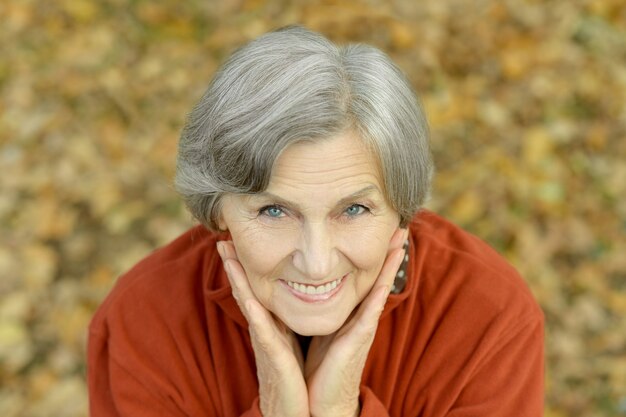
column 293, row 85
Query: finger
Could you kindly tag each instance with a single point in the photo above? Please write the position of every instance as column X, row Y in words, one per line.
column 372, row 306
column 242, row 292
column 261, row 328
column 275, row 341
column 390, row 268
column 357, row 335
column 368, row 313
column 226, row 249
column 397, row 239
column 235, row 271
column 375, row 301
column 266, row 329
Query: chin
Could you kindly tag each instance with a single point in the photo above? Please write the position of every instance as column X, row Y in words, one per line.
column 315, row 327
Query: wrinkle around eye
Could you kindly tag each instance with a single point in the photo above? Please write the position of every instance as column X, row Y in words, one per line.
column 276, row 223
column 363, row 209
column 265, row 211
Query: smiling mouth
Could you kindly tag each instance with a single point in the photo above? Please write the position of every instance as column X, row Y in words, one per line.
column 324, row 289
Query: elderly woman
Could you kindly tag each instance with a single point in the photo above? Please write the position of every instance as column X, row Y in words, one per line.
column 316, row 285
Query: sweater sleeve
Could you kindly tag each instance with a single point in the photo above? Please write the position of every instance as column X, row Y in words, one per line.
column 502, row 378
column 254, row 411
column 371, row 406
column 115, row 391
column 511, row 379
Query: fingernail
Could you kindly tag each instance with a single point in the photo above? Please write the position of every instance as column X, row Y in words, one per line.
column 387, row 291
column 384, row 297
column 220, row 248
column 400, row 257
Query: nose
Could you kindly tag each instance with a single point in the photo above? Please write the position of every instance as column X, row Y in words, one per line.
column 316, row 256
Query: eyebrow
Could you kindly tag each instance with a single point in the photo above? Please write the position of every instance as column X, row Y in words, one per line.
column 363, row 192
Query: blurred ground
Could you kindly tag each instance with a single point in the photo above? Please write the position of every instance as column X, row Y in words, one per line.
column 527, row 103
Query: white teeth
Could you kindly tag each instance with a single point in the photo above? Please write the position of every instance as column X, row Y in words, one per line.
column 311, row 290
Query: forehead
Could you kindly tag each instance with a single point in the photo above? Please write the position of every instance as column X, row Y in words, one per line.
column 341, row 161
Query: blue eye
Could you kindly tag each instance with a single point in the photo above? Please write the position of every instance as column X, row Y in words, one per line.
column 272, row 211
column 355, row 210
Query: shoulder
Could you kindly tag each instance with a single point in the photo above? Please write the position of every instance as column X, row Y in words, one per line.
column 151, row 341
column 452, row 264
column 468, row 331
column 167, row 281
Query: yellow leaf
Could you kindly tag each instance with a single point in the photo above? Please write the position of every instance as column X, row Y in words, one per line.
column 537, row 145
column 16, row 350
column 81, row 10
column 468, row 207
column 402, row 36
column 39, row 266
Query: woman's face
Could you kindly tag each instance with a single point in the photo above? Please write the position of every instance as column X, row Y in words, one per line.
column 313, row 243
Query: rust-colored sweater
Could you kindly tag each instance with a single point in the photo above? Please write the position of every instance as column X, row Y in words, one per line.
column 464, row 338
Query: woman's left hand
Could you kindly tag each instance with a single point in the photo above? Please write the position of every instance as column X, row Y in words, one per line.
column 335, row 363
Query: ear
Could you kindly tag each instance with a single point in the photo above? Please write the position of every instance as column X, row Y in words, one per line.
column 221, row 223
column 218, row 220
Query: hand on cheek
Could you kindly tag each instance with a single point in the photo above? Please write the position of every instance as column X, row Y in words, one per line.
column 282, row 390
column 334, row 363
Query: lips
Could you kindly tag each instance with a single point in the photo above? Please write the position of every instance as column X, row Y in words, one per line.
column 313, row 293
column 311, row 289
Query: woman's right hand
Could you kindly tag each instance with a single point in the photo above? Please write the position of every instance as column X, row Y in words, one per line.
column 282, row 388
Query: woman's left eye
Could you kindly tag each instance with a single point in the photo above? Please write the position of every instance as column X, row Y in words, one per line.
column 355, row 210
column 274, row 212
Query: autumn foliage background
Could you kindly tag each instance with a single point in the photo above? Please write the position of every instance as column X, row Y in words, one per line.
column 527, row 106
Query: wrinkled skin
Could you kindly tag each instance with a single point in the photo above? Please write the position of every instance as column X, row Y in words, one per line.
column 321, row 221
column 327, row 382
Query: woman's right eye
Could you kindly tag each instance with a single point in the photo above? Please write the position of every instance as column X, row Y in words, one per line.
column 272, row 211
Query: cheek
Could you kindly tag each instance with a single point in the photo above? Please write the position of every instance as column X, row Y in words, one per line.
column 261, row 252
column 370, row 256
column 367, row 248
